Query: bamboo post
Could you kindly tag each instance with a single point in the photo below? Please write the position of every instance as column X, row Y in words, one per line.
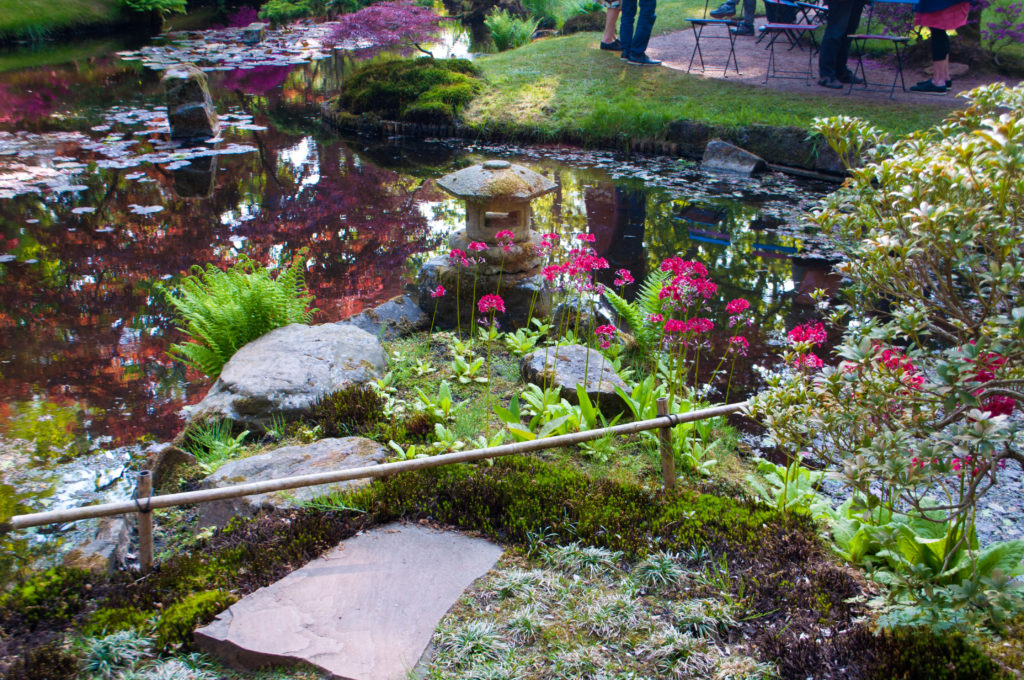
column 143, row 492
column 668, row 461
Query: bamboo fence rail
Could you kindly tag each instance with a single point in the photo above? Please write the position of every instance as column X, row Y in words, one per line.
column 144, row 503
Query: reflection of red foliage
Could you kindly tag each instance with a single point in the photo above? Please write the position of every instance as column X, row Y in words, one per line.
column 258, row 80
column 19, row 105
column 86, row 322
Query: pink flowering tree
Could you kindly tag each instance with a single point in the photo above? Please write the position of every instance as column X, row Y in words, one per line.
column 387, row 23
column 920, row 413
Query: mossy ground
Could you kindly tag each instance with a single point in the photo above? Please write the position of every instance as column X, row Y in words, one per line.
column 607, row 573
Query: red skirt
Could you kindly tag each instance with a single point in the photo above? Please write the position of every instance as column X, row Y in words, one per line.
column 948, row 19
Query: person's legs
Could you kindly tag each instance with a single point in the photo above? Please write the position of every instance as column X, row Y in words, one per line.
column 628, row 8
column 749, row 8
column 856, row 8
column 642, row 32
column 940, row 81
column 726, row 9
column 832, row 40
column 611, row 17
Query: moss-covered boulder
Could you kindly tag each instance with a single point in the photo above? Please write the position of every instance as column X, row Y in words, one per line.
column 421, row 90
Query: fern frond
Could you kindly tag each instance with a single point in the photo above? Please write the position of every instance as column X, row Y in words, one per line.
column 223, row 310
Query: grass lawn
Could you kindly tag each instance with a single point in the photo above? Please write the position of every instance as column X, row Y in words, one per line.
column 565, row 86
column 37, row 18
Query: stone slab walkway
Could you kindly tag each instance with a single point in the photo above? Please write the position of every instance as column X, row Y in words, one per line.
column 364, row 611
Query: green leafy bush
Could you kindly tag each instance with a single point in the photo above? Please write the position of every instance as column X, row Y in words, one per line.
column 423, row 90
column 224, row 310
column 916, row 415
column 162, row 6
column 53, row 596
column 509, row 32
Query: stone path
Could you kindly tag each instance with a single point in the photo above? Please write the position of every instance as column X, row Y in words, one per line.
column 364, row 611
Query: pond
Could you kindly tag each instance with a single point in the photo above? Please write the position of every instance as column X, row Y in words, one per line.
column 100, row 214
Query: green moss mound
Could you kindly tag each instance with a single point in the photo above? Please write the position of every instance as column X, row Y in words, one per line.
column 519, row 497
column 178, row 621
column 53, row 597
column 424, row 90
column 920, row 654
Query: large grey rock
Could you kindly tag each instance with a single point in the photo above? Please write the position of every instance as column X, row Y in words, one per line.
column 288, row 369
column 325, row 455
column 190, row 111
column 398, row 316
column 719, row 155
column 105, row 550
column 364, row 611
column 568, row 367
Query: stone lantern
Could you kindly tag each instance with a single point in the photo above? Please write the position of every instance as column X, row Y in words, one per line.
column 497, row 195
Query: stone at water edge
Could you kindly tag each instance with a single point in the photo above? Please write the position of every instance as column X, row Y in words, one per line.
column 564, row 369
column 254, row 33
column 190, row 110
column 397, row 316
column 365, row 611
column 719, row 155
column 287, row 370
column 106, row 550
column 325, row 455
column 163, row 459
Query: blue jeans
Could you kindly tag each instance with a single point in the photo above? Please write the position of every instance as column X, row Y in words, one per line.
column 843, row 19
column 634, row 41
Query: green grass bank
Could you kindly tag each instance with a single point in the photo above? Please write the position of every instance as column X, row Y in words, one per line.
column 565, row 87
column 39, row 19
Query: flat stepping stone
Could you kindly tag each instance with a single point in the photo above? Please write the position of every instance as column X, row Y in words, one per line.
column 365, row 611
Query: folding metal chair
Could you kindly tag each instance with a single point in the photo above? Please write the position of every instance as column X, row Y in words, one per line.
column 859, row 42
column 698, row 31
column 795, row 32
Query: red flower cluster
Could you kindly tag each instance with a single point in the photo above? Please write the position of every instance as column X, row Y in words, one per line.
column 490, row 303
column 899, row 363
column 997, row 404
column 478, row 246
column 458, row 257
column 586, row 238
column 736, row 306
column 812, row 332
column 697, row 324
column 624, row 276
column 740, row 344
column 437, row 292
column 606, row 333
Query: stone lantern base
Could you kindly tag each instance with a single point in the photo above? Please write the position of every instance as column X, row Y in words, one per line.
column 517, row 290
column 520, row 257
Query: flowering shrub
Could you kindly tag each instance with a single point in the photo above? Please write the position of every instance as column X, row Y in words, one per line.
column 388, row 23
column 915, row 416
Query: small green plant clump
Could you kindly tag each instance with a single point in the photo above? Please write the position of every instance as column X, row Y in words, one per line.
column 180, row 619
column 52, row 597
column 162, row 6
column 224, row 310
column 355, row 410
column 421, row 90
column 509, row 32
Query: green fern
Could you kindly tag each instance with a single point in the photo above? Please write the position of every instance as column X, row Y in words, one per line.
column 221, row 310
column 637, row 314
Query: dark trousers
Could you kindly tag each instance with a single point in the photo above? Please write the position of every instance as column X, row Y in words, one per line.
column 843, row 19
column 634, row 40
column 749, row 8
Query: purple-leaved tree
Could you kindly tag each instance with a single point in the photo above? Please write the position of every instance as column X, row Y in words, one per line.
column 388, row 23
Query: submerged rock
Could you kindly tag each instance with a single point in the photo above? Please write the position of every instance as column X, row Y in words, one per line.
column 568, row 367
column 190, row 110
column 287, row 370
column 324, row 455
column 254, row 33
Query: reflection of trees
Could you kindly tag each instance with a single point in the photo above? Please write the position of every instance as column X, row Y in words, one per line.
column 85, row 321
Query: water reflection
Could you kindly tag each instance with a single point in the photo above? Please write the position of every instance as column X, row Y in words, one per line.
column 84, row 270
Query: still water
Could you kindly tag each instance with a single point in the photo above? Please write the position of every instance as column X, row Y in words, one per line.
column 100, row 214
